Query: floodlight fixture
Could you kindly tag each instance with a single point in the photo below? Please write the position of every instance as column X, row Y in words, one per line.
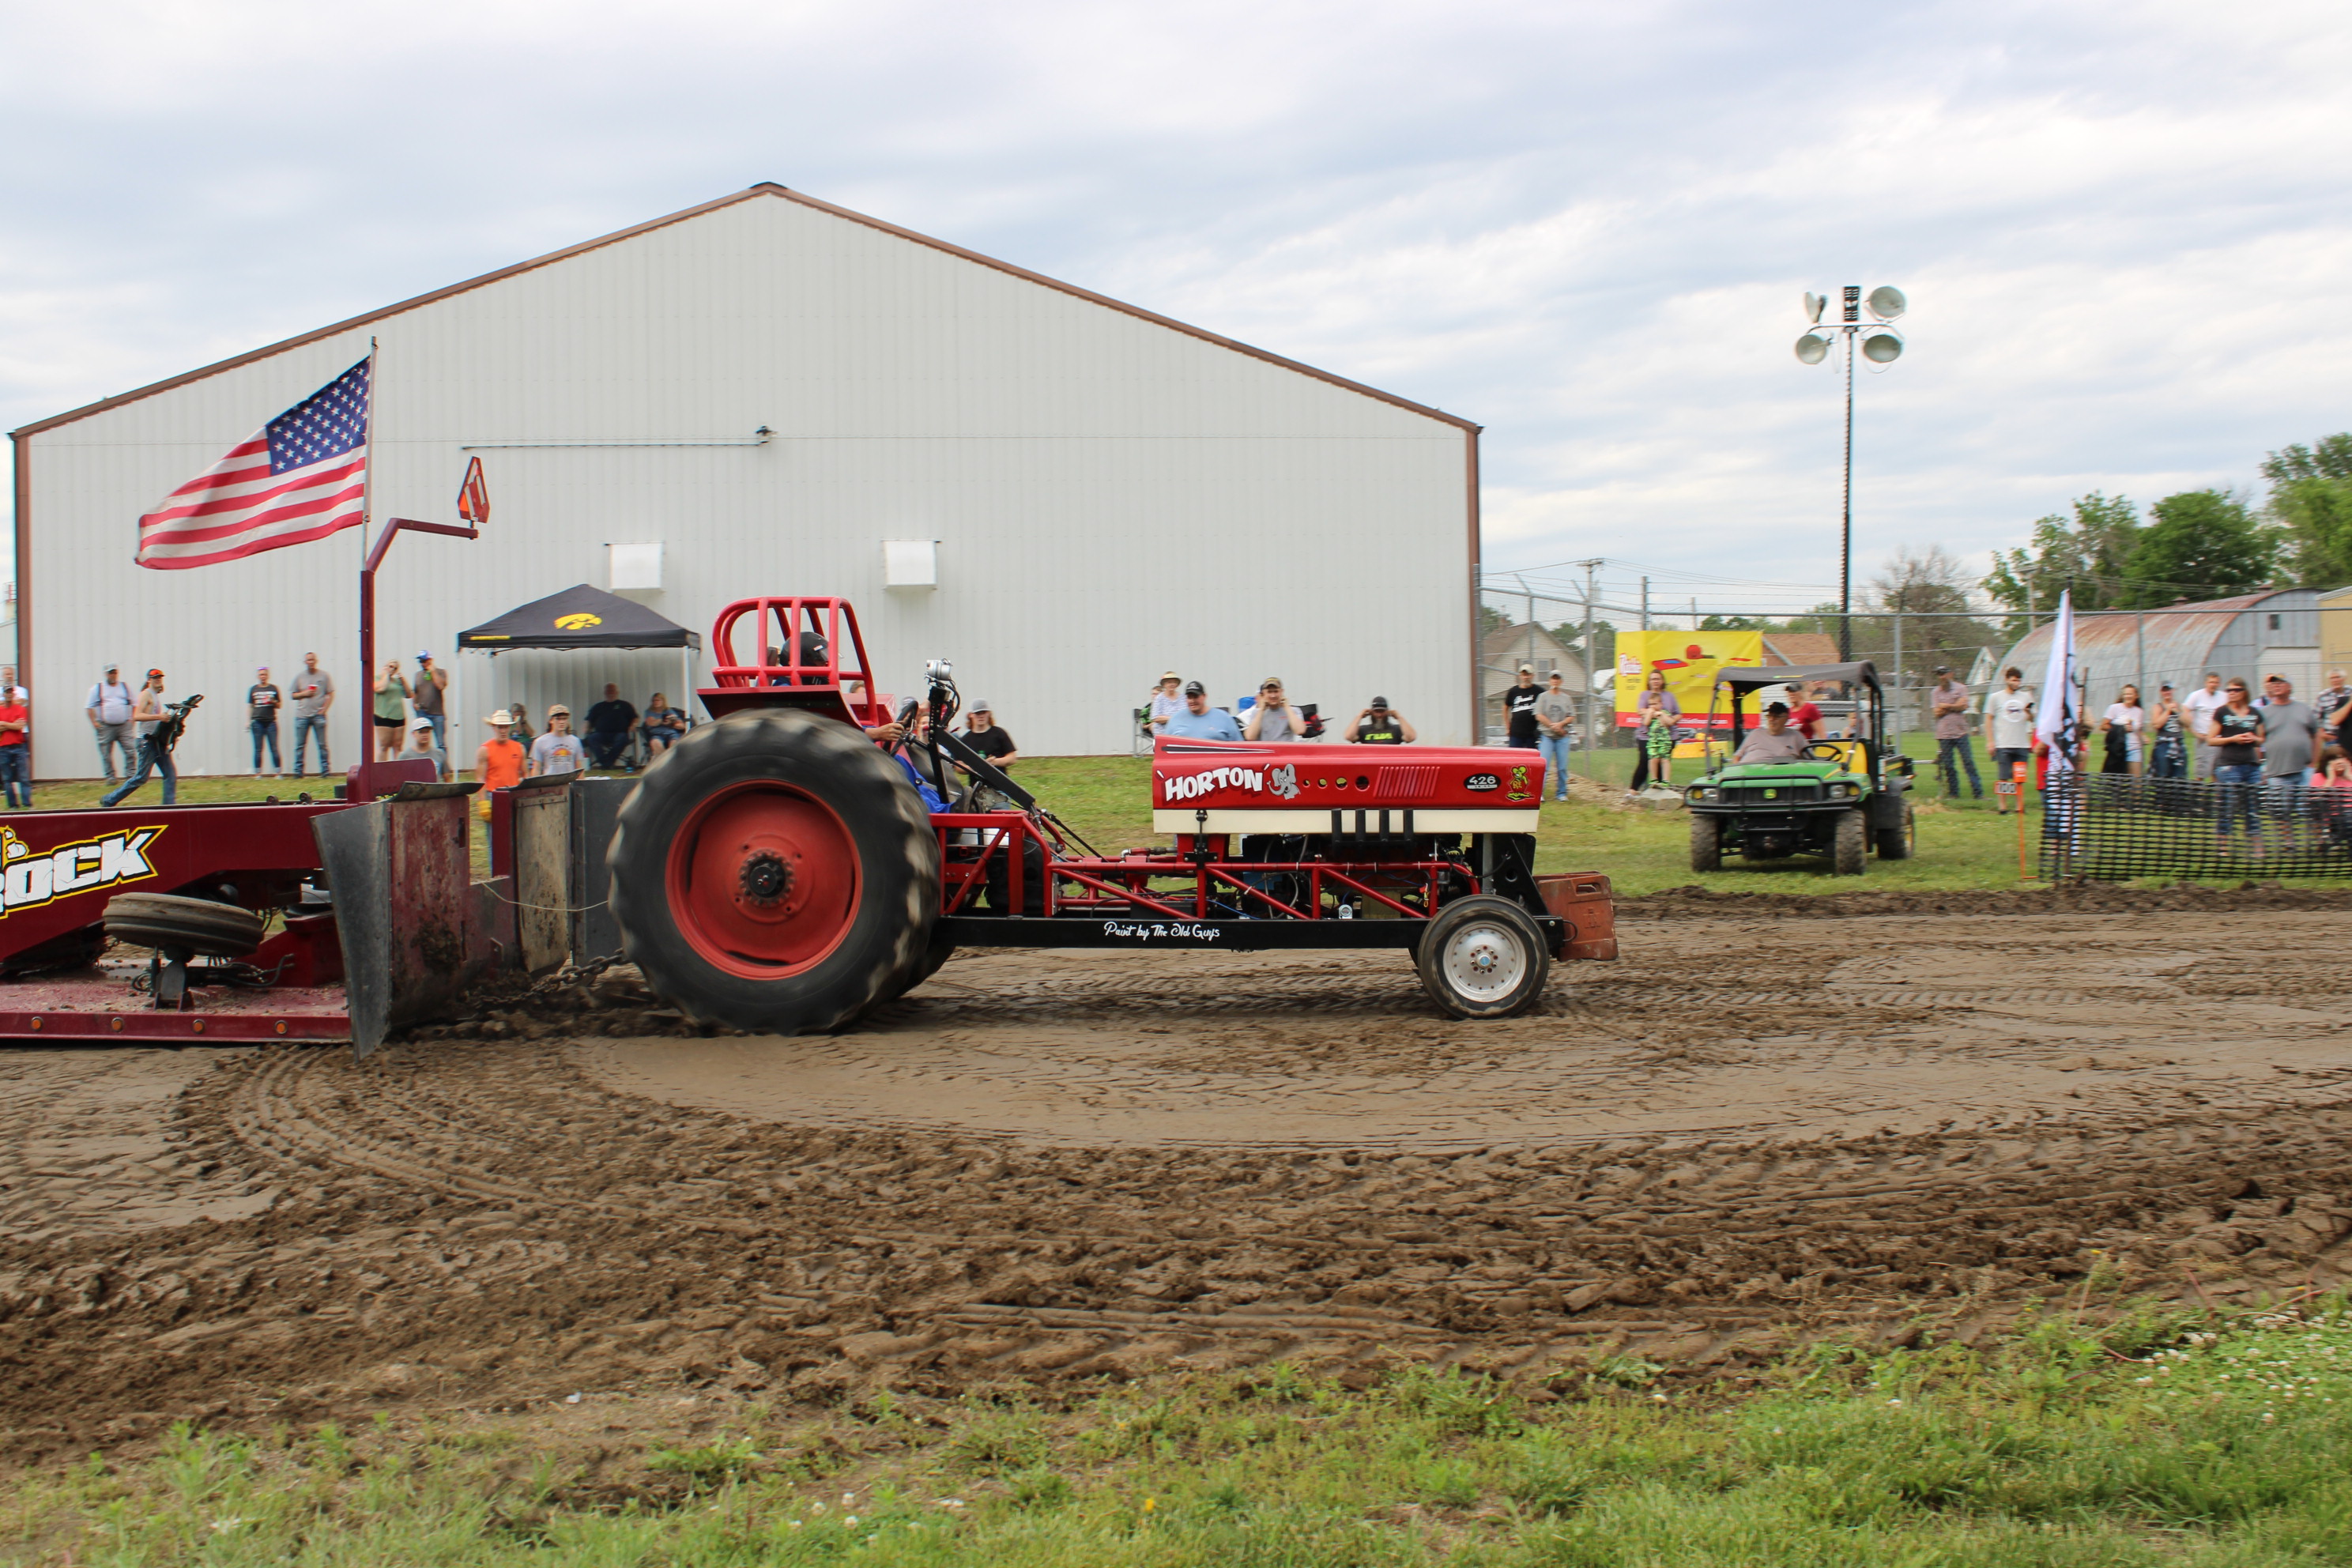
column 1881, row 345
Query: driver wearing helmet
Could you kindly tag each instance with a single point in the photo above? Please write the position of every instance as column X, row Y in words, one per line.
column 1774, row 742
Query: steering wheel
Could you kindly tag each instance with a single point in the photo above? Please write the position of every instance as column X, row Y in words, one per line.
column 1825, row 750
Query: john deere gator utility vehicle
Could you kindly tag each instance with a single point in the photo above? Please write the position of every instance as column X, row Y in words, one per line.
column 1840, row 800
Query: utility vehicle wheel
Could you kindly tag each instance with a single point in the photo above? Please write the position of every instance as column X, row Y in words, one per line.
column 1852, row 844
column 1898, row 843
column 774, row 872
column 1707, row 843
column 1482, row 957
column 200, row 926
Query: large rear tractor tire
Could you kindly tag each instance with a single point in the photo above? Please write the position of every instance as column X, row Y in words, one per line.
column 776, row 872
column 1849, row 849
column 1899, row 843
column 1707, row 843
column 198, row 926
column 1482, row 957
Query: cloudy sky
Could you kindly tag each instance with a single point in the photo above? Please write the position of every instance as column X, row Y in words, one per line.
column 2125, row 228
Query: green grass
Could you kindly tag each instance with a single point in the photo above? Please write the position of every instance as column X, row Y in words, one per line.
column 2212, row 1444
column 1961, row 844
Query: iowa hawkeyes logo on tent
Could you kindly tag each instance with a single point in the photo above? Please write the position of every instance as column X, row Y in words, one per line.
column 578, row 621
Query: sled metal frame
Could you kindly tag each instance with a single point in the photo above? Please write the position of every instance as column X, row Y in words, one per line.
column 1119, row 891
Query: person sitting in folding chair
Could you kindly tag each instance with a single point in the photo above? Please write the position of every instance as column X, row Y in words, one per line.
column 610, row 725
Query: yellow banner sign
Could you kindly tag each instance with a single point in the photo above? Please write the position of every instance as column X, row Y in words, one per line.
column 1689, row 662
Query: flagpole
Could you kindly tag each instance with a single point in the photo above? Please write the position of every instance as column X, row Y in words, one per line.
column 366, row 779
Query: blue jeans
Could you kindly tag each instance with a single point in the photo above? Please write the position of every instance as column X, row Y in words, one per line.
column 2236, row 784
column 265, row 733
column 604, row 747
column 152, row 757
column 305, row 724
column 1945, row 750
column 1555, row 752
column 2169, row 760
column 16, row 775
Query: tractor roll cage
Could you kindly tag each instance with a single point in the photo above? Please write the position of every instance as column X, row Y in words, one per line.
column 821, row 684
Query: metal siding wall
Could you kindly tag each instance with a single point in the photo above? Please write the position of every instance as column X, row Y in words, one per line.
column 1112, row 497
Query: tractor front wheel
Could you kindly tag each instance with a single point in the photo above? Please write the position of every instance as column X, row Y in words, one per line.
column 1707, row 843
column 1482, row 957
column 774, row 872
column 1851, row 844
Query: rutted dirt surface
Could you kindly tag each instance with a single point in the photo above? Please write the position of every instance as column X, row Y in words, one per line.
column 1047, row 1165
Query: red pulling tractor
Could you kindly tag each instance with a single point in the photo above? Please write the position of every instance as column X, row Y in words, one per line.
column 780, row 871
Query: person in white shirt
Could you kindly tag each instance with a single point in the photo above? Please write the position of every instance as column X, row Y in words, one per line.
column 558, row 751
column 2122, row 724
column 2198, row 708
column 110, row 715
column 2009, row 725
column 1165, row 704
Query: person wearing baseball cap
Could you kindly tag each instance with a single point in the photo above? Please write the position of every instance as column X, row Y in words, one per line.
column 988, row 738
column 1199, row 722
column 1519, row 709
column 428, row 694
column 1774, row 742
column 148, row 713
column 1380, row 725
column 1165, row 704
column 262, row 701
column 558, row 751
column 109, row 718
column 422, row 747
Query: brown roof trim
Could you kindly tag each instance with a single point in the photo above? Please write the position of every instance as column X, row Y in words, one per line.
column 765, row 188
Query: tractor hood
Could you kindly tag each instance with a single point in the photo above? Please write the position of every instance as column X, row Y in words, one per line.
column 1226, row 786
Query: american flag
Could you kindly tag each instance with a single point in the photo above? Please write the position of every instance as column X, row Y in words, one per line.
column 301, row 476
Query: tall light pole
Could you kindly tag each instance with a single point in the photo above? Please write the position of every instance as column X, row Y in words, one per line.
column 1881, row 345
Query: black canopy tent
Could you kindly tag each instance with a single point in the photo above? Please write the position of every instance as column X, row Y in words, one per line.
column 580, row 618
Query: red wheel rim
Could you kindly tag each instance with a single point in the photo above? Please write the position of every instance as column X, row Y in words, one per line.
column 763, row 881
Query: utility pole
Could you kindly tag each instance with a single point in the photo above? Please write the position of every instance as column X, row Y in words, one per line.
column 1645, row 604
column 1530, row 657
column 1590, row 567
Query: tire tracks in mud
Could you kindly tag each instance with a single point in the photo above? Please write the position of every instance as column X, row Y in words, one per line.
column 504, row 1221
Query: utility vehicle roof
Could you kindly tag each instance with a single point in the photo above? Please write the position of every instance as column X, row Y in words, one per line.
column 1747, row 678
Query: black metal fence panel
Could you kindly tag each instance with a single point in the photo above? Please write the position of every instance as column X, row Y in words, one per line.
column 2112, row 827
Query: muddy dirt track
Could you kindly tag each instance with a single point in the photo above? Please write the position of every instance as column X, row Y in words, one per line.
column 1044, row 1166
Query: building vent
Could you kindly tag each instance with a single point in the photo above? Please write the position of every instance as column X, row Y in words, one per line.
column 910, row 562
column 637, row 567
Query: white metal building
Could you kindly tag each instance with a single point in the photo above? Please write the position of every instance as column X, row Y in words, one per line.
column 771, row 388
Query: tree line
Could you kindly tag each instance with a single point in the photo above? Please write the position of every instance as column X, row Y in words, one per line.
column 2197, row 544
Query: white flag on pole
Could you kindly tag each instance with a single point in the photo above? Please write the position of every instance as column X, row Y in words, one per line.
column 2055, row 720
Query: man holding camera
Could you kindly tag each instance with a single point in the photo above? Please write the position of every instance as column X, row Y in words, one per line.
column 158, row 723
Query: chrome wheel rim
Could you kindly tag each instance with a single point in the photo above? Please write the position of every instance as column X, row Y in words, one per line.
column 1484, row 962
